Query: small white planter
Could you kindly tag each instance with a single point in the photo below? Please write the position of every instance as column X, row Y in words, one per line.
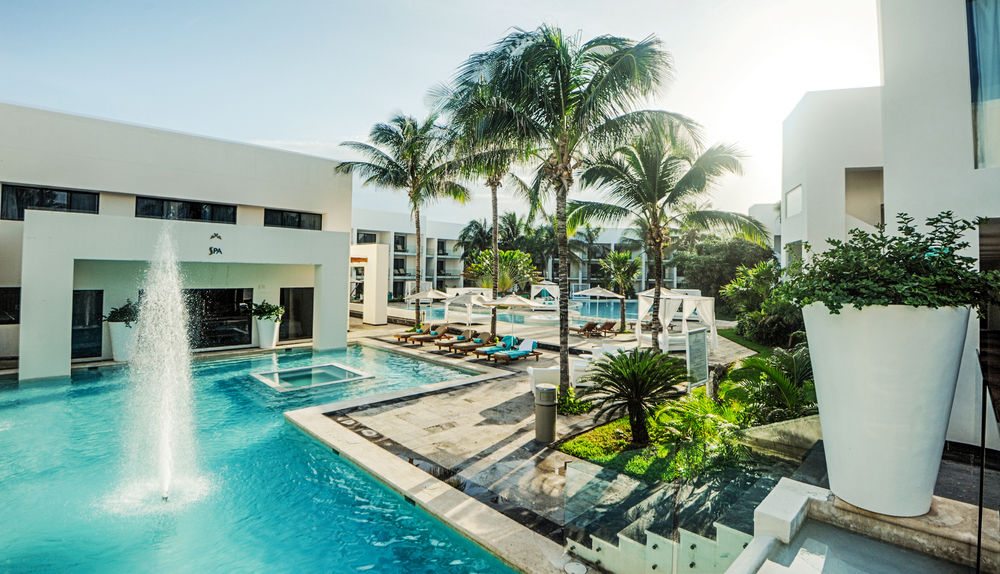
column 122, row 341
column 885, row 382
column 267, row 333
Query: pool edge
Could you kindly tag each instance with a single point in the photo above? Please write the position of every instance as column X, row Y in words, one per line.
column 515, row 544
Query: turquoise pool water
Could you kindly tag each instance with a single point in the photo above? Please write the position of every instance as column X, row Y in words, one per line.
column 608, row 309
column 275, row 500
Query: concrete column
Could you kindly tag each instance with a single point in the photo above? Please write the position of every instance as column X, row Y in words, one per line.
column 46, row 336
column 330, row 306
column 377, row 285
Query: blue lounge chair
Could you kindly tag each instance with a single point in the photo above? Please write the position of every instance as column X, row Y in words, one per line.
column 506, row 344
column 526, row 349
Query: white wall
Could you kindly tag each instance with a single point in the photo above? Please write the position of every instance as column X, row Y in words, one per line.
column 826, row 134
column 61, row 150
column 865, row 194
column 266, row 258
column 929, row 154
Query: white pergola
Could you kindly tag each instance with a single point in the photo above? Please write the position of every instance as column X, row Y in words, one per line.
column 547, row 286
column 467, row 300
column 670, row 303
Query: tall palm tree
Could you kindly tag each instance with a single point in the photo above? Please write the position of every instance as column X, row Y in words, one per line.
column 622, row 269
column 652, row 182
column 561, row 97
column 414, row 156
column 473, row 238
column 512, row 229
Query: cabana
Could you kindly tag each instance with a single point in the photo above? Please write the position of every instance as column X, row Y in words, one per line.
column 544, row 289
column 468, row 300
column 690, row 306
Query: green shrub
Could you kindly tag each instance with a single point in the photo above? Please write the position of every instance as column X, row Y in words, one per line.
column 569, row 404
column 127, row 313
column 267, row 311
column 752, row 286
column 908, row 268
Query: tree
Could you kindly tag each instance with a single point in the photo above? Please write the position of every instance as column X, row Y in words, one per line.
column 414, row 156
column 652, row 182
column 516, row 270
column 621, row 269
column 560, row 97
column 473, row 238
column 512, row 230
column 713, row 264
column 635, row 383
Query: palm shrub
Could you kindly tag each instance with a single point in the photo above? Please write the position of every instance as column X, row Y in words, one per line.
column 764, row 312
column 703, row 431
column 635, row 383
column 752, row 285
column 416, row 157
column 908, row 268
column 622, row 270
column 515, row 271
column 774, row 388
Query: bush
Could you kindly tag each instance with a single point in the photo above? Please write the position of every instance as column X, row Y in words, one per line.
column 909, row 268
column 267, row 311
column 127, row 313
column 774, row 323
column 570, row 405
column 714, row 264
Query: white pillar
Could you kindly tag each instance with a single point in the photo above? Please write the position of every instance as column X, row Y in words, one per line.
column 330, row 314
column 46, row 336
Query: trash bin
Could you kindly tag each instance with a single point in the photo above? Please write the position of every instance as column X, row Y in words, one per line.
column 545, row 413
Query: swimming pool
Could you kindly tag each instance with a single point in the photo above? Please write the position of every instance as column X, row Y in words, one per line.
column 275, row 500
column 608, row 309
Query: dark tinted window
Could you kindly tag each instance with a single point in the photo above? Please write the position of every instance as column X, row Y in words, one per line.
column 157, row 208
column 10, row 305
column 366, row 237
column 14, row 199
column 219, row 317
column 292, row 219
column 88, row 327
column 298, row 320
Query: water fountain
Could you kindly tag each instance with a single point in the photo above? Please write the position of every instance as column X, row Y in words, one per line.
column 160, row 447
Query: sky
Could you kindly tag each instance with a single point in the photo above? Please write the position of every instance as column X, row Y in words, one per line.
column 305, row 75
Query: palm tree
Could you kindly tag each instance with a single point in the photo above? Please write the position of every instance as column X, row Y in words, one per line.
column 560, row 97
column 634, row 383
column 652, row 182
column 774, row 388
column 622, row 269
column 473, row 238
column 413, row 156
column 511, row 230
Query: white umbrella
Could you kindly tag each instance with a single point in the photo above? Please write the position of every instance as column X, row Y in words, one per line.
column 511, row 301
column 469, row 300
column 431, row 294
column 598, row 292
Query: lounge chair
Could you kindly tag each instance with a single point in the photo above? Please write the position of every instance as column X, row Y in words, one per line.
column 419, row 330
column 608, row 328
column 477, row 342
column 586, row 330
column 466, row 336
column 435, row 334
column 506, row 344
column 527, row 348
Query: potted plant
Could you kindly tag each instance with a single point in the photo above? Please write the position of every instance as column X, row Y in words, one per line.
column 268, row 319
column 886, row 317
column 120, row 321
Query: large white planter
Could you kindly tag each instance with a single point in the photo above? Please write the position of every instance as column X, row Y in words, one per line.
column 122, row 341
column 885, row 382
column 267, row 333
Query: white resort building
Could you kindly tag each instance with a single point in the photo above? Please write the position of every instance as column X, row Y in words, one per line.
column 923, row 142
column 84, row 200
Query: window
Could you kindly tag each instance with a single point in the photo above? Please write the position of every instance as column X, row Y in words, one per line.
column 298, row 320
column 366, row 237
column 983, row 18
column 14, row 199
column 219, row 317
column 156, row 208
column 88, row 326
column 10, row 305
column 399, row 242
column 293, row 219
column 793, row 201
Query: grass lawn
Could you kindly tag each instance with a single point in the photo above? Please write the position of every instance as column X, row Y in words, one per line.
column 606, row 445
column 762, row 350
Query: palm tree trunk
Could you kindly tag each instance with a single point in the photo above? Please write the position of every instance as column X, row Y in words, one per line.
column 496, row 257
column 637, row 423
column 621, row 306
column 562, row 246
column 420, row 256
column 657, row 327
